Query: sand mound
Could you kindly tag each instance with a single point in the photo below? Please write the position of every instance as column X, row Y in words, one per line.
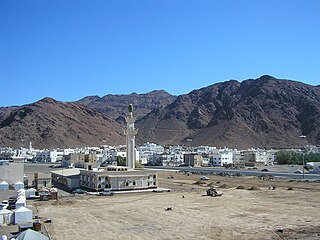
column 224, row 186
column 200, row 182
column 62, row 202
column 253, row 188
column 240, row 187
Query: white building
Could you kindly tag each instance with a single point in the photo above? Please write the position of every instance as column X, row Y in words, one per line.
column 149, row 158
column 200, row 150
column 50, row 155
column 175, row 149
column 145, row 157
column 222, row 157
column 121, row 154
column 4, row 186
column 149, row 153
column 118, row 178
column 6, row 217
column 257, row 156
column 67, row 177
column 107, row 155
column 172, row 159
column 19, row 185
column 68, row 151
column 31, row 193
column 265, row 157
column 22, row 215
column 151, row 147
column 21, row 202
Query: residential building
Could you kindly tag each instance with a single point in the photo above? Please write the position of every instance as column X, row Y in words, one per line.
column 80, row 160
column 192, row 160
column 42, row 180
column 49, row 155
column 69, row 178
column 172, row 159
column 253, row 157
column 221, row 157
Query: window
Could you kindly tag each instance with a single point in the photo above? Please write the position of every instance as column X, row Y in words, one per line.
column 134, row 183
column 99, row 185
column 154, row 176
column 99, row 178
column 154, row 183
column 127, row 184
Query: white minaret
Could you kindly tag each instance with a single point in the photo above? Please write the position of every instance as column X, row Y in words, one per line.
column 130, row 133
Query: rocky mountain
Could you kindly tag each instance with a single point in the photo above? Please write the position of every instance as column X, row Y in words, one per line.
column 5, row 112
column 266, row 112
column 49, row 123
column 263, row 112
column 116, row 106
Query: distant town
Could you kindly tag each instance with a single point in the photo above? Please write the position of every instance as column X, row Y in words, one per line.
column 151, row 154
column 73, row 161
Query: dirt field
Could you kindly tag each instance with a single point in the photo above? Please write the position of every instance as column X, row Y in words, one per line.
column 238, row 214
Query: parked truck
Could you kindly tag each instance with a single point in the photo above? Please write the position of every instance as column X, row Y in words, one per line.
column 106, row 192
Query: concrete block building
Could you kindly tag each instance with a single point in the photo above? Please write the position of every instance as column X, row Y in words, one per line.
column 118, row 179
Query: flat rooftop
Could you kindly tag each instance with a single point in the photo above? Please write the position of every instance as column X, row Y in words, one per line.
column 67, row 172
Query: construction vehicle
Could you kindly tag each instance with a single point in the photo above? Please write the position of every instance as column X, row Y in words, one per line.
column 212, row 192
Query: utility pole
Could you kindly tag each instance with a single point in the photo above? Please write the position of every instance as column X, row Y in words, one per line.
column 302, row 137
column 189, row 140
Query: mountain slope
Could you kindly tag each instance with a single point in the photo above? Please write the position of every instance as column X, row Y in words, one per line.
column 116, row 106
column 266, row 112
column 5, row 112
column 49, row 123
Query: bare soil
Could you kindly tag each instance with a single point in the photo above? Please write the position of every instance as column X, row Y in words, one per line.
column 238, row 214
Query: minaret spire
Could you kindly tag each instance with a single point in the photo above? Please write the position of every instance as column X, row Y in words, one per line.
column 130, row 133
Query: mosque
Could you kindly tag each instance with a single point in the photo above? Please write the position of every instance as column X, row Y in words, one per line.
column 118, row 178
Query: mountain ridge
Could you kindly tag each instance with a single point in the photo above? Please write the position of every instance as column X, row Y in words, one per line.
column 250, row 113
column 50, row 123
column 115, row 105
column 262, row 112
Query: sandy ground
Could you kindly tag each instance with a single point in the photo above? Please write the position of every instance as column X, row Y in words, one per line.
column 238, row 214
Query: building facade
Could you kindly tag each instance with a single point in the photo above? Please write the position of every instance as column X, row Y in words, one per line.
column 118, row 179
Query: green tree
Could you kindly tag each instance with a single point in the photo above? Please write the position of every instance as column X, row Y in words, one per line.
column 138, row 165
column 291, row 157
column 283, row 157
column 121, row 161
column 312, row 157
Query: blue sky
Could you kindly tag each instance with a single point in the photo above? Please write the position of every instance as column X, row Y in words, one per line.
column 72, row 48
